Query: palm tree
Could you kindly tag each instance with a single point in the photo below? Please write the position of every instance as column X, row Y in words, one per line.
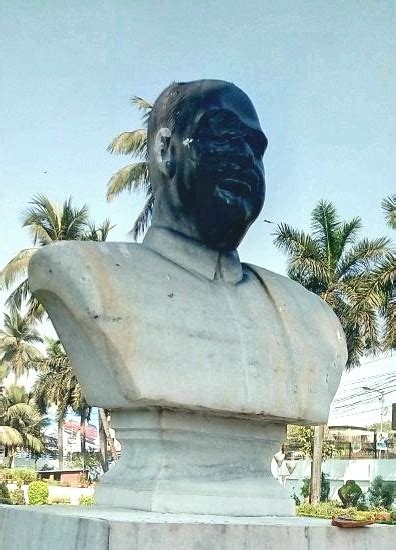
column 332, row 263
column 134, row 176
column 21, row 424
column 386, row 274
column 17, row 339
column 389, row 207
column 57, row 385
column 47, row 223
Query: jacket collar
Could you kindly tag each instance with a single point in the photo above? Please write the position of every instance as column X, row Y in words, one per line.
column 193, row 255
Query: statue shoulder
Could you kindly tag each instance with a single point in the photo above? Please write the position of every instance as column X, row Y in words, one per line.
column 286, row 292
column 68, row 266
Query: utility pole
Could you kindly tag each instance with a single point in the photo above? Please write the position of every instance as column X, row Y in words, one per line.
column 316, row 467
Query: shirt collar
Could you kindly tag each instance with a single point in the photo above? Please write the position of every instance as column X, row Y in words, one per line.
column 193, row 255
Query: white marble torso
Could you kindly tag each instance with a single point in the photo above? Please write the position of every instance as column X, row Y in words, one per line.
column 196, row 332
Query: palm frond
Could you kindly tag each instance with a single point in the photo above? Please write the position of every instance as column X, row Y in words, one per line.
column 132, row 177
column 346, row 234
column 10, row 437
column 44, row 219
column 389, row 314
column 17, row 267
column 363, row 256
column 73, row 221
column 18, row 295
column 325, row 222
column 99, row 233
column 142, row 105
column 389, row 207
column 129, row 143
column 143, row 219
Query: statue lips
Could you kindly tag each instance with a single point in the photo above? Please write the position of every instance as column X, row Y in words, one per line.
column 236, row 184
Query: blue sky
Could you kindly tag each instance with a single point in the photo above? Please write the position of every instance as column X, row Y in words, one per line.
column 321, row 75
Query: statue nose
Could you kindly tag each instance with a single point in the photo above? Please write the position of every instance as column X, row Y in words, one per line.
column 243, row 159
column 243, row 155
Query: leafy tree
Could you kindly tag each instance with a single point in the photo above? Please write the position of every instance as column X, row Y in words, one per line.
column 57, row 385
column 341, row 269
column 389, row 207
column 386, row 277
column 21, row 423
column 381, row 493
column 17, row 339
column 324, row 487
column 47, row 223
column 303, row 438
column 134, row 176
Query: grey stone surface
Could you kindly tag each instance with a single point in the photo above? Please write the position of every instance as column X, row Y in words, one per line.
column 188, row 462
column 93, row 528
column 142, row 329
column 44, row 528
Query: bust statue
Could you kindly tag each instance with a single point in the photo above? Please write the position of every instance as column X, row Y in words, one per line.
column 202, row 359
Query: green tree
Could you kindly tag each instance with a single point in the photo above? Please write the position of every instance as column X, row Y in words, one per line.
column 17, row 339
column 134, row 176
column 21, row 423
column 57, row 385
column 386, row 276
column 47, row 223
column 302, row 438
column 343, row 271
column 389, row 208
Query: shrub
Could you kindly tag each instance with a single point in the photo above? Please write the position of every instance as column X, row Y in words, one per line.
column 350, row 494
column 59, row 500
column 38, row 492
column 381, row 493
column 86, row 500
column 297, row 500
column 322, row 510
column 17, row 497
column 24, row 475
column 4, row 494
column 324, row 487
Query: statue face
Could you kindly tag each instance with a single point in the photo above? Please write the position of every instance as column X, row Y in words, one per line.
column 210, row 167
column 217, row 168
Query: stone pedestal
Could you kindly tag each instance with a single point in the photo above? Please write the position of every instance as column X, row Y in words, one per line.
column 176, row 461
column 99, row 528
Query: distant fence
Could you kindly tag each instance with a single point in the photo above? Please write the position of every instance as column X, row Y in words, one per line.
column 345, row 450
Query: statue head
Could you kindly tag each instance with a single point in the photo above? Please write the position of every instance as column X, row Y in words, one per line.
column 206, row 148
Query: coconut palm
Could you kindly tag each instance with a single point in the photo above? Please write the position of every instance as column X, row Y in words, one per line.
column 134, row 176
column 386, row 274
column 389, row 208
column 17, row 339
column 57, row 385
column 341, row 269
column 47, row 223
column 21, row 424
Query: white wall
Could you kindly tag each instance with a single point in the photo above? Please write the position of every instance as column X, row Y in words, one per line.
column 363, row 471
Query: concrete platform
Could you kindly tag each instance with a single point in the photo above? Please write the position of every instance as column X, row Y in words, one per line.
column 98, row 528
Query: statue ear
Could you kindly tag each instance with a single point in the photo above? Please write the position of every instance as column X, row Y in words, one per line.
column 162, row 153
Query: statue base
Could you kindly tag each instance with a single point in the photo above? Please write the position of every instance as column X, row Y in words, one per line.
column 100, row 528
column 186, row 462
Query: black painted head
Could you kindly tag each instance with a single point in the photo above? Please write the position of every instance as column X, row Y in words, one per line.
column 206, row 148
